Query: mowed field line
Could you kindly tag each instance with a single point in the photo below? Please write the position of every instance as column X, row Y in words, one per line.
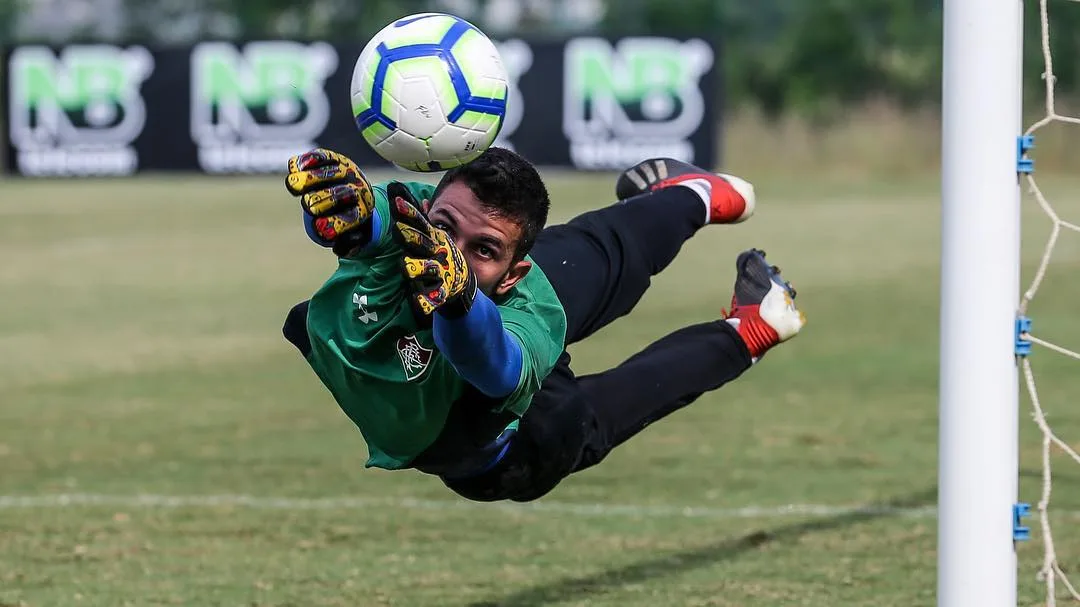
column 603, row 510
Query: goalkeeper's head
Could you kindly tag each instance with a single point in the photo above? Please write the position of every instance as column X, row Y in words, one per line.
column 494, row 208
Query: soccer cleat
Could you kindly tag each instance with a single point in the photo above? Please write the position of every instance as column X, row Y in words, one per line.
column 763, row 306
column 728, row 199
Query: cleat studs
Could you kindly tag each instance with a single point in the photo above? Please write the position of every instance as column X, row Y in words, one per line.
column 641, row 184
column 647, row 171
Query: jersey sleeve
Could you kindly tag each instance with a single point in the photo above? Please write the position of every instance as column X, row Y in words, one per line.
column 481, row 350
column 540, row 330
column 381, row 239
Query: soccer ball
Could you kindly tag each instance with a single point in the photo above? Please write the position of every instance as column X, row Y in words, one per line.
column 429, row 92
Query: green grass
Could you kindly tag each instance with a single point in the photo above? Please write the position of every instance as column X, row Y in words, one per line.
column 140, row 353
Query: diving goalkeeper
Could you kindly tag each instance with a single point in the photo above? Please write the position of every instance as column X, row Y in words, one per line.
column 442, row 334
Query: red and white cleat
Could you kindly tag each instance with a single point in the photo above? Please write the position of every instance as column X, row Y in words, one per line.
column 728, row 199
column 763, row 306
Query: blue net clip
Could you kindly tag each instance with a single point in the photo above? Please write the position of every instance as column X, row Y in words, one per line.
column 1020, row 532
column 1023, row 327
column 1023, row 144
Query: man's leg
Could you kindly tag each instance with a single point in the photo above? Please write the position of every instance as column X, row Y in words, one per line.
column 601, row 262
column 573, row 423
column 666, row 376
column 295, row 328
column 675, row 370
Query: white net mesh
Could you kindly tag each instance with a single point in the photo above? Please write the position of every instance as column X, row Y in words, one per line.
column 1051, row 572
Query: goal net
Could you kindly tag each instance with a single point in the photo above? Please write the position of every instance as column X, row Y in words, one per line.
column 987, row 340
column 1051, row 572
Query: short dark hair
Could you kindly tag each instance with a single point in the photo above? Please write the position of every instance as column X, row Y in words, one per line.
column 508, row 186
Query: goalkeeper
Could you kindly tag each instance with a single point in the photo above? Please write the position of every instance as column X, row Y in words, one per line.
column 442, row 334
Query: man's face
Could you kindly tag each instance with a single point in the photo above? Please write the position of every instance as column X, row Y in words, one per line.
column 487, row 241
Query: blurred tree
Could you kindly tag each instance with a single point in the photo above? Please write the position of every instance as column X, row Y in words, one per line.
column 828, row 62
column 845, row 51
column 814, row 57
column 8, row 10
column 189, row 20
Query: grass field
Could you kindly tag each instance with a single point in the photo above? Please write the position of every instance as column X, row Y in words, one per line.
column 140, row 355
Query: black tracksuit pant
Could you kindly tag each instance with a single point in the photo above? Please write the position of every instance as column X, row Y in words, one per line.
column 600, row 264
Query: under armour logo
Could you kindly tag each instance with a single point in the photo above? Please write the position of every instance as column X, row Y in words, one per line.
column 364, row 316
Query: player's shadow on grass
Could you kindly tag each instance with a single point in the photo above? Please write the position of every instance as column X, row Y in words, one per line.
column 577, row 588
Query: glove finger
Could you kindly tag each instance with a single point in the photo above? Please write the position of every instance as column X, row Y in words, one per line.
column 341, row 159
column 448, row 256
column 396, row 189
column 434, row 295
column 308, row 160
column 426, row 291
column 404, row 208
column 317, row 178
column 422, row 306
column 318, row 157
column 425, row 283
column 424, row 273
column 335, row 198
column 405, row 212
column 319, row 168
column 413, row 241
column 331, row 227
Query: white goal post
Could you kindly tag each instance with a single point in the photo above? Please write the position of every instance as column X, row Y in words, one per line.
column 980, row 288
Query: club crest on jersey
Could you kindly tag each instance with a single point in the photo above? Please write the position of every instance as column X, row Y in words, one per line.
column 414, row 357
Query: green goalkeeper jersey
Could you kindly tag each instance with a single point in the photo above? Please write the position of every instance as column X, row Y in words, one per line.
column 382, row 366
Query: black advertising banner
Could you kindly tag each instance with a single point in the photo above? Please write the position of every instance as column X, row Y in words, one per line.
column 244, row 108
column 78, row 111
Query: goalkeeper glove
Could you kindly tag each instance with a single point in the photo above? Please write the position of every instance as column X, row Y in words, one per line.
column 439, row 278
column 336, row 194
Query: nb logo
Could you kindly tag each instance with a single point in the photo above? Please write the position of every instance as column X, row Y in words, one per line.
column 364, row 315
column 253, row 107
column 639, row 98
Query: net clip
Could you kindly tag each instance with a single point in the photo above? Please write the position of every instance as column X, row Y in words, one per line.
column 1020, row 532
column 1023, row 329
column 1024, row 143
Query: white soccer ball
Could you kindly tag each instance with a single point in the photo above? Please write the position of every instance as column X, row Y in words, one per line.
column 429, row 92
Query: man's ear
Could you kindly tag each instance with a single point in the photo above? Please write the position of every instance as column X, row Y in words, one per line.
column 512, row 276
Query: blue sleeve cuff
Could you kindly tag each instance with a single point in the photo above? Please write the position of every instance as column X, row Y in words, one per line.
column 480, row 349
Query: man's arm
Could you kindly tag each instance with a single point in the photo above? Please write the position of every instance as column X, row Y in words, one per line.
column 336, row 196
column 478, row 347
column 466, row 324
column 376, row 230
column 342, row 210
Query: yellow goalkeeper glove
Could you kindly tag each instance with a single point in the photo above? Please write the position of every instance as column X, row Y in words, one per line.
column 439, row 278
column 336, row 194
